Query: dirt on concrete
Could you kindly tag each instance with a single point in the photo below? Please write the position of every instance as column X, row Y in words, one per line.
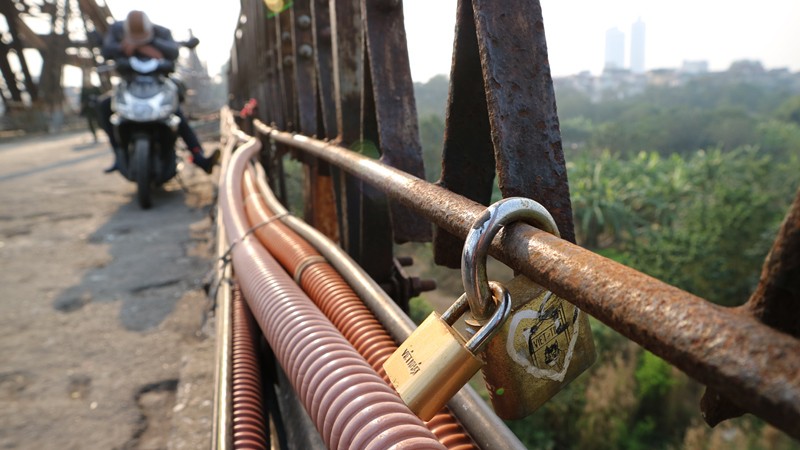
column 104, row 337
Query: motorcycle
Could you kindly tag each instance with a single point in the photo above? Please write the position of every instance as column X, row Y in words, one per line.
column 144, row 106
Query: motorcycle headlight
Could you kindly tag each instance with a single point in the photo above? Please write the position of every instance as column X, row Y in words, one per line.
column 121, row 104
column 167, row 105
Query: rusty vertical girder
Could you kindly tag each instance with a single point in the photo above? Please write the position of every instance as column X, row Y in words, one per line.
column 318, row 196
column 394, row 109
column 522, row 107
column 323, row 53
column 17, row 28
column 467, row 159
column 501, row 115
column 375, row 236
column 304, row 69
column 286, row 62
column 269, row 47
column 348, row 77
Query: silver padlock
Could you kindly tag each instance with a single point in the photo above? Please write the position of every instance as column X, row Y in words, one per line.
column 547, row 341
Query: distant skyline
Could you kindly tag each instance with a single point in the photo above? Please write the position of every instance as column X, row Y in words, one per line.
column 716, row 31
column 615, row 49
column 638, row 45
column 712, row 30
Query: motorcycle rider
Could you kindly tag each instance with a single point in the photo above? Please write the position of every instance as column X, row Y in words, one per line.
column 136, row 35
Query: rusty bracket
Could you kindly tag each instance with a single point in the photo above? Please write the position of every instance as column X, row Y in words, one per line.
column 775, row 302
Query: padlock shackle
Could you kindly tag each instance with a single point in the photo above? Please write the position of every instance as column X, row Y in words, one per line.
column 503, row 300
column 456, row 310
column 476, row 246
column 501, row 297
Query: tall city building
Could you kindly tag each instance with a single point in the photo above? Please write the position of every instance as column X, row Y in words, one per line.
column 615, row 49
column 637, row 47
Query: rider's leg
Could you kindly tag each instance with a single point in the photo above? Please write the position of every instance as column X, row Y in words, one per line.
column 190, row 138
column 104, row 120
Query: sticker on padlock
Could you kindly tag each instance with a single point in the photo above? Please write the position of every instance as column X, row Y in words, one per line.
column 547, row 341
column 436, row 361
column 544, row 345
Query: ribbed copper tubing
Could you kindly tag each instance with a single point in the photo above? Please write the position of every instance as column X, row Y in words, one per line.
column 249, row 425
column 350, row 405
column 336, row 299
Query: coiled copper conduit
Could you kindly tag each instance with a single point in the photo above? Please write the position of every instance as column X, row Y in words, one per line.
column 249, row 426
column 350, row 405
column 337, row 301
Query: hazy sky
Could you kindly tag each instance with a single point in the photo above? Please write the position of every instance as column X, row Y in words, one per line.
column 713, row 30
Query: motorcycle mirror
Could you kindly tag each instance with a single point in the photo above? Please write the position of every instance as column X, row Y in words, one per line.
column 192, row 42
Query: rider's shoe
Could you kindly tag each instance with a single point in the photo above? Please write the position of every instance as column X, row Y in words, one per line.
column 112, row 168
column 206, row 163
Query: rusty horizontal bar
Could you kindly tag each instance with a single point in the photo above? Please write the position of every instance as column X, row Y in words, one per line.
column 754, row 365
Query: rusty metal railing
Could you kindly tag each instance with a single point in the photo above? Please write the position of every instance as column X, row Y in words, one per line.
column 753, row 365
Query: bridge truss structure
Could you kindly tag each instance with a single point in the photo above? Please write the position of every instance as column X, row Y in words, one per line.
column 54, row 34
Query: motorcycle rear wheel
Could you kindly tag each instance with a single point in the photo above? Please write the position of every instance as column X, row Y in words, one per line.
column 141, row 151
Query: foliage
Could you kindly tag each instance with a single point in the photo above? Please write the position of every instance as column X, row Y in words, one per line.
column 703, row 222
column 419, row 309
column 431, row 97
column 720, row 110
column 431, row 131
column 653, row 376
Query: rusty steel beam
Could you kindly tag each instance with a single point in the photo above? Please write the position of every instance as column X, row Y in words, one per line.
column 286, row 61
column 323, row 52
column 393, row 106
column 375, row 248
column 752, row 364
column 468, row 165
column 304, row 72
column 20, row 32
column 8, row 74
column 348, row 76
column 522, row 107
column 99, row 15
column 318, row 189
column 501, row 114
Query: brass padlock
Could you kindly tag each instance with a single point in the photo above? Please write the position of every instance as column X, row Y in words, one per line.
column 436, row 361
column 547, row 341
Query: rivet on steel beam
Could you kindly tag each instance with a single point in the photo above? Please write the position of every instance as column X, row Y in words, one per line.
column 304, row 22
column 286, row 36
column 325, row 34
column 305, row 51
column 288, row 61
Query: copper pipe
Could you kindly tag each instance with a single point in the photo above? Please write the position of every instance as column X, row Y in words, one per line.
column 221, row 421
column 355, row 411
column 337, row 301
column 485, row 428
column 249, row 425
